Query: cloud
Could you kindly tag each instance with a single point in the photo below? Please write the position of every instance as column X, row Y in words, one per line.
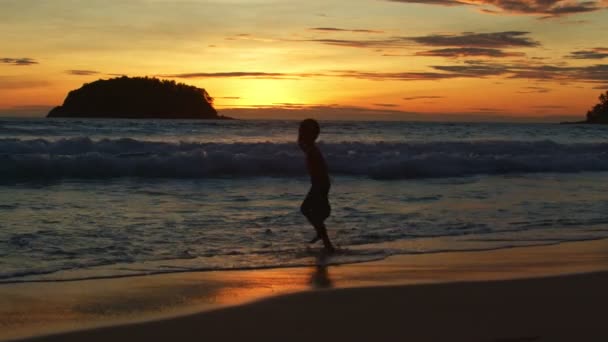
column 395, row 76
column 412, row 98
column 434, row 2
column 235, row 74
column 250, row 37
column 469, row 52
column 458, row 45
column 386, row 105
column 487, row 109
column 82, row 72
column 595, row 73
column 478, row 40
column 335, row 29
column 543, row 8
column 365, row 43
column 534, row 90
column 549, row 107
column 18, row 61
column 227, row 97
column 472, row 69
column 595, row 53
column 468, row 69
column 475, row 69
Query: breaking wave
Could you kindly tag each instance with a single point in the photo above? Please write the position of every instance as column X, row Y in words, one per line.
column 107, row 158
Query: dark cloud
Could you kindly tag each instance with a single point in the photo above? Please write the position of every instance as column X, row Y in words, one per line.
column 227, row 97
column 595, row 53
column 239, row 36
column 386, row 105
column 434, row 2
column 549, row 107
column 235, row 74
column 336, row 29
column 468, row 40
column 544, row 8
column 412, row 98
column 82, row 72
column 395, row 76
column 250, row 37
column 487, row 109
column 466, row 44
column 474, row 69
column 291, row 105
column 478, row 40
column 601, row 87
column 18, row 61
column 534, row 90
column 595, row 73
column 469, row 52
column 468, row 69
column 365, row 43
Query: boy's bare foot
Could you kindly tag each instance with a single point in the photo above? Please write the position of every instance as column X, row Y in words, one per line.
column 315, row 239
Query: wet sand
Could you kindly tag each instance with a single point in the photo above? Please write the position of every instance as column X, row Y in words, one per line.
column 518, row 294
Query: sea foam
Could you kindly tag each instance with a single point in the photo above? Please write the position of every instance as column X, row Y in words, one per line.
column 106, row 158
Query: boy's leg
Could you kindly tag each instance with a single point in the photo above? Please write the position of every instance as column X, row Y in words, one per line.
column 307, row 210
column 312, row 223
column 316, row 209
column 322, row 233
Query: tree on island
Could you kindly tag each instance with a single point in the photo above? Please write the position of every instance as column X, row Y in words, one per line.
column 599, row 112
column 138, row 98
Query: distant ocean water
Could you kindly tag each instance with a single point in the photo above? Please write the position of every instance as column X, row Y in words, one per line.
column 105, row 198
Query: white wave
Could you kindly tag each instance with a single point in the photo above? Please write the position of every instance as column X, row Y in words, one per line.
column 86, row 158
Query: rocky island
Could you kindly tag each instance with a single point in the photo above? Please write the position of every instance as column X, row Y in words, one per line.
column 137, row 98
column 598, row 114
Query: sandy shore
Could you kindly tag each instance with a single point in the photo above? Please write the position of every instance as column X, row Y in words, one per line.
column 469, row 296
column 552, row 309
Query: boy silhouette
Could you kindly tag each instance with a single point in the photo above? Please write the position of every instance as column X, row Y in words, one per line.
column 316, row 204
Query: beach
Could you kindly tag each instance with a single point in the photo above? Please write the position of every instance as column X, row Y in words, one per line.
column 540, row 293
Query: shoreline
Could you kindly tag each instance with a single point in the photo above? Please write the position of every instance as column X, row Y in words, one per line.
column 89, row 274
column 36, row 309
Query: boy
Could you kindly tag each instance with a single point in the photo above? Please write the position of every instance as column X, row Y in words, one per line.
column 316, row 204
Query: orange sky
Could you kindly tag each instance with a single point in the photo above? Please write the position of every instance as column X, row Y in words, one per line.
column 356, row 58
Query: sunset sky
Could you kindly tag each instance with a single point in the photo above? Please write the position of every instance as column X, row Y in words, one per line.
column 349, row 58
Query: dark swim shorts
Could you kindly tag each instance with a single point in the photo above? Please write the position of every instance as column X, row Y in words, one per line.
column 316, row 205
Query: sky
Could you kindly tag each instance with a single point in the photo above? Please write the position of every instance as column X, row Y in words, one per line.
column 412, row 59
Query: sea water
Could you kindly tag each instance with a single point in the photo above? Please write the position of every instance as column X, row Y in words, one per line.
column 89, row 198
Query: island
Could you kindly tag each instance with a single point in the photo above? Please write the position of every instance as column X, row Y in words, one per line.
column 137, row 98
column 598, row 114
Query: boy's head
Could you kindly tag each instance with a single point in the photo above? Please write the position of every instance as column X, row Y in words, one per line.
column 309, row 131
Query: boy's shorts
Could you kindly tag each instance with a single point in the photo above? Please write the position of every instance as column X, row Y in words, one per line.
column 316, row 206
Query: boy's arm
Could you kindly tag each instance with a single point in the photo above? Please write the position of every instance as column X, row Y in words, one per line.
column 317, row 166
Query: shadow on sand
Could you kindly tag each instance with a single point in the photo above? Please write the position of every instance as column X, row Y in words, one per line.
column 319, row 278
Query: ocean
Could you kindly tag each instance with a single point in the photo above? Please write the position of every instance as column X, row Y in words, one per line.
column 95, row 198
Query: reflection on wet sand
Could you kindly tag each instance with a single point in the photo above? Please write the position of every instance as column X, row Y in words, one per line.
column 319, row 278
